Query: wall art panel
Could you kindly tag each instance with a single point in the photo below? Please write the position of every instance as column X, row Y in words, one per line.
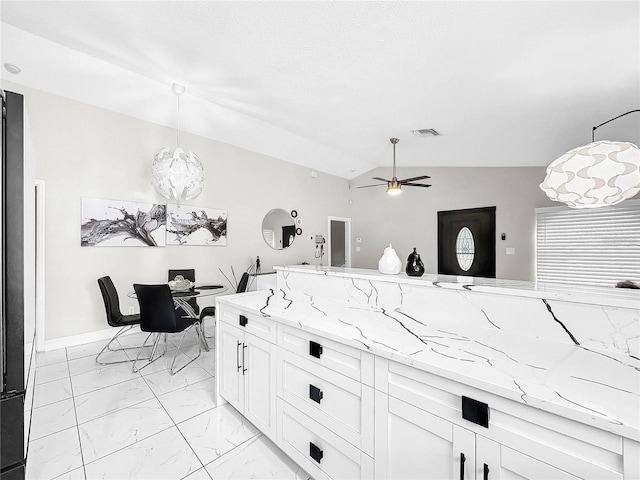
column 188, row 225
column 125, row 224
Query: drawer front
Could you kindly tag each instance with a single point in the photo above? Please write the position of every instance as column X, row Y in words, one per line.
column 256, row 325
column 340, row 403
column 317, row 450
column 553, row 439
column 335, row 356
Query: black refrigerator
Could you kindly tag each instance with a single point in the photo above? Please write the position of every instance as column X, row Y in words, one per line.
column 12, row 344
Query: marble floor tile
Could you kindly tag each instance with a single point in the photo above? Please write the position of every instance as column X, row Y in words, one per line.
column 190, row 338
column 256, row 458
column 114, row 431
column 82, row 365
column 52, row 418
column 87, row 349
column 214, row 433
column 110, row 399
column 162, row 382
column 51, row 357
column 208, row 361
column 51, row 392
column 198, row 475
column 77, row 474
column 190, row 401
column 49, row 373
column 165, row 455
column 54, row 455
column 102, row 376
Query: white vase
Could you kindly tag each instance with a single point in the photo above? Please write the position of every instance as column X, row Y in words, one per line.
column 390, row 263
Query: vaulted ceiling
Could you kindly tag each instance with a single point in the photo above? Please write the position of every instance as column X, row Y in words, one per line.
column 326, row 84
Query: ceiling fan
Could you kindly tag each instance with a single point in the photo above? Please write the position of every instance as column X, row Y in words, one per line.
column 394, row 186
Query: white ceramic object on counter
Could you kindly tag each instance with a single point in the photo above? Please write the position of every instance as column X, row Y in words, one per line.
column 390, row 263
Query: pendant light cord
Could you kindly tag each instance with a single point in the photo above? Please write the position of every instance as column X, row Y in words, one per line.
column 178, row 131
column 593, row 131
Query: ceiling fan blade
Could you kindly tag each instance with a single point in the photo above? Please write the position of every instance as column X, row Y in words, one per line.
column 413, row 179
column 415, row 185
column 375, row 185
column 381, row 179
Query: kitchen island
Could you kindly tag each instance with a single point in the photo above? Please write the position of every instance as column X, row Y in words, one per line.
column 439, row 376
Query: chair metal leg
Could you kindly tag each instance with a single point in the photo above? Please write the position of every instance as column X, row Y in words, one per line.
column 107, row 347
column 178, row 351
column 151, row 358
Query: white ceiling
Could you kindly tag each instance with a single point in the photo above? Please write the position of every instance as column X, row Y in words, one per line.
column 325, row 84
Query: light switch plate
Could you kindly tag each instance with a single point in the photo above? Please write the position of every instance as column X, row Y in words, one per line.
column 511, row 251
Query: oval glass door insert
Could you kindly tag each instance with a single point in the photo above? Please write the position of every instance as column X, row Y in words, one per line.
column 465, row 248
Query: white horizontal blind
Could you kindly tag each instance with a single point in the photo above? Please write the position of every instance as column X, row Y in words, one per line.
column 598, row 247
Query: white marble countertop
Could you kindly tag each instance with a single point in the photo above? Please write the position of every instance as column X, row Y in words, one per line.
column 598, row 388
column 617, row 297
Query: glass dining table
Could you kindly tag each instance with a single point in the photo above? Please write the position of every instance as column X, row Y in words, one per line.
column 181, row 299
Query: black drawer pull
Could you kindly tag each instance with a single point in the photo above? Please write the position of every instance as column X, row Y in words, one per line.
column 315, row 452
column 486, row 472
column 475, row 411
column 243, row 320
column 462, row 459
column 315, row 349
column 315, row 393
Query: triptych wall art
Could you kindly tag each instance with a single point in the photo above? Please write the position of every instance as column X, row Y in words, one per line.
column 129, row 224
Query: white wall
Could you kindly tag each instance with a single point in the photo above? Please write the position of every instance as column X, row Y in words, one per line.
column 85, row 151
column 411, row 219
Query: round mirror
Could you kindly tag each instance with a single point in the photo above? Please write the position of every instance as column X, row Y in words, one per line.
column 278, row 229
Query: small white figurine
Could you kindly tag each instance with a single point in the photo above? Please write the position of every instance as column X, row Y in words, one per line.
column 390, row 263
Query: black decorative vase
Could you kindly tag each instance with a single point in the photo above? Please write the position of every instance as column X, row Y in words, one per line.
column 415, row 267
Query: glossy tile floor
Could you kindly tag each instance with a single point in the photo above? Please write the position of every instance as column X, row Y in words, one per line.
column 94, row 422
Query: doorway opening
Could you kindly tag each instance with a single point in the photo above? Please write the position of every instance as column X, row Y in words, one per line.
column 339, row 242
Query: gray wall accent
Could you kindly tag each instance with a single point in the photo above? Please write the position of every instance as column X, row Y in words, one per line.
column 410, row 219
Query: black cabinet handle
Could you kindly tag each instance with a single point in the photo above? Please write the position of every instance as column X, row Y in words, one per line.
column 485, row 474
column 238, row 356
column 243, row 320
column 315, row 349
column 315, row 452
column 315, row 393
column 244, row 345
column 462, row 459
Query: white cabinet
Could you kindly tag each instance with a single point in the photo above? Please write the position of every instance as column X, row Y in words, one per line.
column 414, row 444
column 340, row 412
column 421, row 433
column 247, row 376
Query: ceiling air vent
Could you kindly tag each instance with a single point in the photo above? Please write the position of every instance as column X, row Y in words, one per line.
column 426, row 132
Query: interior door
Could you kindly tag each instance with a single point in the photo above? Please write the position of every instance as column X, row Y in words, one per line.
column 467, row 242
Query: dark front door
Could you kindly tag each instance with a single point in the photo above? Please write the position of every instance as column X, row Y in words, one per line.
column 467, row 242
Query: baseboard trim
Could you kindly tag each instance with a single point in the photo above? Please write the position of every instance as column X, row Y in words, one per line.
column 82, row 338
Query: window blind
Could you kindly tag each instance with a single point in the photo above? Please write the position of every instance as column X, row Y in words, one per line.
column 597, row 247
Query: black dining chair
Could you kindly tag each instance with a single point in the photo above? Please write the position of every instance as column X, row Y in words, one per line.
column 115, row 318
column 242, row 287
column 188, row 274
column 158, row 316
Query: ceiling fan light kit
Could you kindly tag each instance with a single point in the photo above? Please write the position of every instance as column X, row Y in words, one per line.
column 394, row 186
column 595, row 175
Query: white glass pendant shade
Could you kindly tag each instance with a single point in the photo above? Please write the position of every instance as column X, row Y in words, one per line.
column 595, row 175
column 177, row 175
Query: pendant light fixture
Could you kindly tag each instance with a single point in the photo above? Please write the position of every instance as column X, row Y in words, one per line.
column 595, row 175
column 177, row 175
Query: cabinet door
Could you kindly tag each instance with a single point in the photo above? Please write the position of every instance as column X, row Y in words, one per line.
column 414, row 444
column 498, row 462
column 259, row 361
column 230, row 358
